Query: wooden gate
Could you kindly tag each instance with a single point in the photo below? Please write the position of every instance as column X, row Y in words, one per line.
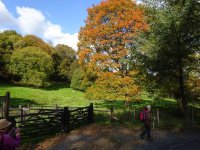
column 37, row 122
column 41, row 123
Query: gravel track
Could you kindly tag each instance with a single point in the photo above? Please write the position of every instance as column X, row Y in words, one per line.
column 96, row 137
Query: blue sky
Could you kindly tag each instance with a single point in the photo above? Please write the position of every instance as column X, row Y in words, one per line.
column 56, row 21
column 69, row 14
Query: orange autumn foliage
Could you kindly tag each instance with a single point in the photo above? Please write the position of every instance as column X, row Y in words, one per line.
column 106, row 40
column 111, row 86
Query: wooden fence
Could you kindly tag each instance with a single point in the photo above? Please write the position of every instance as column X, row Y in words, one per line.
column 160, row 116
column 6, row 104
column 74, row 118
column 37, row 122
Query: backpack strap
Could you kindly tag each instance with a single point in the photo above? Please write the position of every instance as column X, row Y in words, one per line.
column 144, row 115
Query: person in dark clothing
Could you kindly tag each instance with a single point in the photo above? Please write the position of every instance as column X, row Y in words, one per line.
column 8, row 140
column 147, row 123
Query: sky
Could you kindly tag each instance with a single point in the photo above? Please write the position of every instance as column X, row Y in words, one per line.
column 55, row 21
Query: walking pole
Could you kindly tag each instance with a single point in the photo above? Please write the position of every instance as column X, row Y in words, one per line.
column 153, row 127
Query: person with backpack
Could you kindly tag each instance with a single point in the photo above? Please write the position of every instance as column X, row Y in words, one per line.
column 145, row 117
column 9, row 138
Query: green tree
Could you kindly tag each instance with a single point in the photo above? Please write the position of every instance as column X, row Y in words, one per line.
column 173, row 48
column 74, row 65
column 31, row 65
column 80, row 80
column 7, row 40
column 63, row 56
column 32, row 40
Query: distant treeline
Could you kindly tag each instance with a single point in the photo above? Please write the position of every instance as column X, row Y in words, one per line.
column 28, row 60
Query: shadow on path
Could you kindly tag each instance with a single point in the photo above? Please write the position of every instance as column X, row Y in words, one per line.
column 96, row 137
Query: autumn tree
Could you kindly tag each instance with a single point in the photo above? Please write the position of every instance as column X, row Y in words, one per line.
column 104, row 48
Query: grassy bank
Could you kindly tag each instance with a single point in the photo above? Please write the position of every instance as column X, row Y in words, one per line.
column 62, row 95
column 59, row 94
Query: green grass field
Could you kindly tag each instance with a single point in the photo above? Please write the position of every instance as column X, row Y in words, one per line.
column 62, row 95
column 59, row 94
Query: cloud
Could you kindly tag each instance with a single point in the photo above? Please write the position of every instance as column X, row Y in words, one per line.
column 6, row 18
column 30, row 20
column 53, row 33
column 33, row 21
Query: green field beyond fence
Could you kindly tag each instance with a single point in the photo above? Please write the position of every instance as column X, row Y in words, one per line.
column 60, row 95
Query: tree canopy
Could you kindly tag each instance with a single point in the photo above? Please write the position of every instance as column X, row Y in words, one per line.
column 63, row 57
column 105, row 42
column 11, row 42
column 7, row 41
column 173, row 49
column 31, row 65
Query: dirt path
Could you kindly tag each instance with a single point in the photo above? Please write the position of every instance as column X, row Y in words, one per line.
column 95, row 137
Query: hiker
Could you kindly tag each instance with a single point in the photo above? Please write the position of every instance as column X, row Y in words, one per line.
column 9, row 138
column 145, row 117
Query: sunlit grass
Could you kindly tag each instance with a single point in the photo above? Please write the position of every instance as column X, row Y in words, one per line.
column 62, row 95
column 59, row 94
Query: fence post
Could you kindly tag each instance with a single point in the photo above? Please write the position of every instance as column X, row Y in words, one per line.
column 56, row 107
column 134, row 113
column 158, row 116
column 21, row 113
column 29, row 108
column 65, row 120
column 68, row 128
column 3, row 108
column 7, row 105
column 90, row 113
column 192, row 115
column 111, row 114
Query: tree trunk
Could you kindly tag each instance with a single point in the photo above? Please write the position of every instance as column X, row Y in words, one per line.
column 184, row 100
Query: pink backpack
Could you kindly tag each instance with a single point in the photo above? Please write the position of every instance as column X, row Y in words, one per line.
column 142, row 116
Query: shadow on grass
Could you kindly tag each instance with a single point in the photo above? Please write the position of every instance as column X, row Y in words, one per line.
column 6, row 85
column 51, row 86
column 127, row 117
column 164, row 103
column 170, row 117
column 14, row 102
column 56, row 86
column 119, row 104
